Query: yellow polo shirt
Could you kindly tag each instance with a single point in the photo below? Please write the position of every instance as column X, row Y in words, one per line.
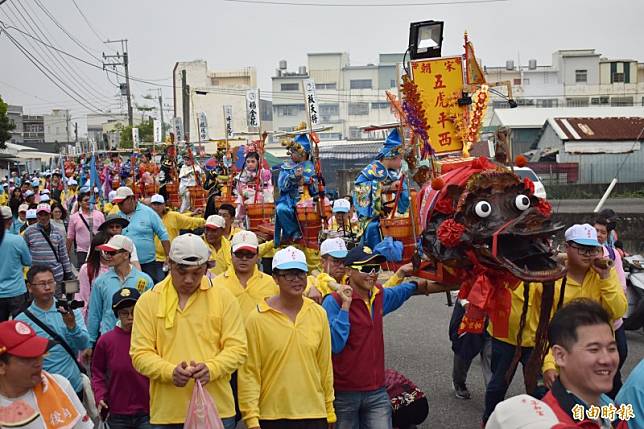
column 174, row 222
column 259, row 287
column 222, row 257
column 288, row 373
column 208, row 329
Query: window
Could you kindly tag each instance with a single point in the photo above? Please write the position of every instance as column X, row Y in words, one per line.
column 360, row 84
column 577, row 102
column 547, row 102
column 392, row 83
column 380, row 105
column 359, row 109
column 597, row 101
column 581, row 76
column 288, row 109
column 329, row 109
column 621, row 101
column 516, row 81
column 290, row 86
column 355, row 133
column 330, row 136
column 526, row 81
column 326, row 86
column 617, row 77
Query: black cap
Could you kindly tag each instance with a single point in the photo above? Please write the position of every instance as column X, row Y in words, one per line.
column 363, row 255
column 124, row 296
column 113, row 218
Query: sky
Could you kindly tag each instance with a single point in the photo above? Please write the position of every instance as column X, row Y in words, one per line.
column 231, row 35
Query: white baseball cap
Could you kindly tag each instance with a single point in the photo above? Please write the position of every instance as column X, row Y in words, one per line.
column 6, row 212
column 522, row 412
column 290, row 258
column 31, row 214
column 157, row 199
column 117, row 242
column 23, row 208
column 122, row 193
column 335, row 247
column 215, row 221
column 245, row 240
column 111, row 195
column 29, row 193
column 72, row 182
column 583, row 234
column 189, row 249
column 341, row 205
column 44, row 197
column 43, row 208
column 44, row 191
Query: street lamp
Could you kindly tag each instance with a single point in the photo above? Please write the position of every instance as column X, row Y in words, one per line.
column 425, row 39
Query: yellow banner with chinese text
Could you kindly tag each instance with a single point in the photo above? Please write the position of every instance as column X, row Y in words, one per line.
column 440, row 84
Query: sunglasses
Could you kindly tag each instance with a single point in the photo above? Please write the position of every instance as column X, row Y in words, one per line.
column 370, row 269
column 111, row 252
column 244, row 255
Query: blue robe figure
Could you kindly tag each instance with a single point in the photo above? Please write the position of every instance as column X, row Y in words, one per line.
column 294, row 173
column 368, row 186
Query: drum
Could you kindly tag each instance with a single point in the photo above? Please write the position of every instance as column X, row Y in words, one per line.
column 172, row 188
column 311, row 223
column 259, row 213
column 198, row 197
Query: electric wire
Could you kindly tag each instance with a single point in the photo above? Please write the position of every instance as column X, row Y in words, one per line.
column 91, row 27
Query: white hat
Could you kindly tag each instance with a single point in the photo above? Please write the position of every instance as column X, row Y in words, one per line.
column 189, row 249
column 111, row 195
column 117, row 242
column 584, row 234
column 215, row 221
column 44, row 197
column 290, row 258
column 44, row 191
column 245, row 240
column 341, row 206
column 31, row 214
column 335, row 247
column 23, row 208
column 6, row 212
column 522, row 412
column 43, row 208
column 72, row 182
column 29, row 193
column 156, row 198
column 122, row 193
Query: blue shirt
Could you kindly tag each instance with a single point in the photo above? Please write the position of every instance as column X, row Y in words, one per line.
column 339, row 323
column 16, row 225
column 57, row 360
column 632, row 392
column 14, row 254
column 101, row 316
column 145, row 223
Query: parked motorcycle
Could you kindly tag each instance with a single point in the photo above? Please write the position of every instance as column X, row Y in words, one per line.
column 634, row 269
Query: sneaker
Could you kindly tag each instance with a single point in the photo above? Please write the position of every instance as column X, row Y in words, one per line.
column 461, row 392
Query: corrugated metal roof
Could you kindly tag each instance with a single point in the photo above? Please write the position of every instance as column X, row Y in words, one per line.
column 600, row 129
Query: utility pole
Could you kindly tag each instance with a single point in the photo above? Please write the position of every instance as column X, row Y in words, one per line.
column 75, row 133
column 161, row 114
column 122, row 61
column 185, row 99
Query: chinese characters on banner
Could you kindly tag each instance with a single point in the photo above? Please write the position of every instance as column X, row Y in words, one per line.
column 311, row 101
column 178, row 130
column 157, row 131
column 252, row 107
column 203, row 126
column 135, row 138
column 438, row 81
column 228, row 121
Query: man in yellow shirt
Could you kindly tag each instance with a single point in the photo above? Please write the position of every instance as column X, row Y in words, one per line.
column 219, row 245
column 586, row 278
column 227, row 211
column 185, row 331
column 287, row 381
column 174, row 222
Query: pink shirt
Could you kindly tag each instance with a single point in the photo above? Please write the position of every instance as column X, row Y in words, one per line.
column 77, row 230
column 85, row 288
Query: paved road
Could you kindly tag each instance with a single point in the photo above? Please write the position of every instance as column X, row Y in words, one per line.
column 416, row 344
column 620, row 205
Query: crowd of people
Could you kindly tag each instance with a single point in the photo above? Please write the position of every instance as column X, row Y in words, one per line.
column 166, row 301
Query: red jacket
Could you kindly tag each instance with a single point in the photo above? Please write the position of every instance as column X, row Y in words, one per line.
column 360, row 366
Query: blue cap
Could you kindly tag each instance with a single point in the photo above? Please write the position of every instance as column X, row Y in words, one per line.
column 303, row 141
column 391, row 145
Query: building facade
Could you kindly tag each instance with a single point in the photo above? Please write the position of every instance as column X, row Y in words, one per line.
column 103, row 129
column 14, row 113
column 58, row 127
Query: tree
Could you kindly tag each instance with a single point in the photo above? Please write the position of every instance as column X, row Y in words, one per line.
column 146, row 134
column 6, row 125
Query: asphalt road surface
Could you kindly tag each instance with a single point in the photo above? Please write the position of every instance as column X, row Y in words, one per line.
column 417, row 344
column 620, row 205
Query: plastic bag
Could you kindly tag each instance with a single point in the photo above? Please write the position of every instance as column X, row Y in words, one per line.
column 390, row 249
column 202, row 413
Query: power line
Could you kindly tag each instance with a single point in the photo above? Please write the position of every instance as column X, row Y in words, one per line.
column 91, row 27
column 294, row 3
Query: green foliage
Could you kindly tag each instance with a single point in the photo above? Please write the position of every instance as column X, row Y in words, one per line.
column 146, row 134
column 6, row 125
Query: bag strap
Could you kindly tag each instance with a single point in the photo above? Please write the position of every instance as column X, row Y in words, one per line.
column 91, row 233
column 50, row 245
column 55, row 336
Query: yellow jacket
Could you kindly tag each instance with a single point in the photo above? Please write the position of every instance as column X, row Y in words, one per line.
column 532, row 317
column 288, row 374
column 233, row 230
column 608, row 293
column 259, row 287
column 208, row 329
column 174, row 222
column 222, row 257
